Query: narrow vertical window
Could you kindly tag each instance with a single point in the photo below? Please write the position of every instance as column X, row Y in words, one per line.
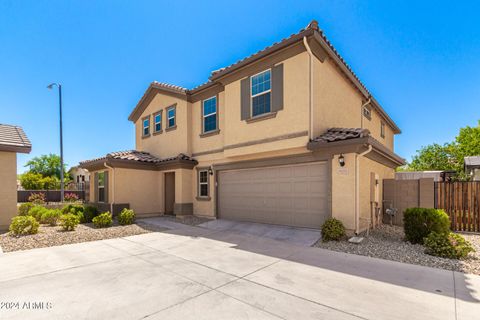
column 209, row 114
column 382, row 130
column 261, row 93
column 146, row 126
column 101, row 186
column 157, row 122
column 171, row 117
column 203, row 183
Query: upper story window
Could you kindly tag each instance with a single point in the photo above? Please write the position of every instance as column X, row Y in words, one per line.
column 382, row 130
column 146, row 126
column 157, row 122
column 171, row 117
column 261, row 93
column 209, row 114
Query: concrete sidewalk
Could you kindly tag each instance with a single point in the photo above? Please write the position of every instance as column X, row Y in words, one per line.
column 197, row 273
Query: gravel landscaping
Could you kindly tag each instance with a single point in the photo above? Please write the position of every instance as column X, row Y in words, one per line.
column 386, row 242
column 48, row 236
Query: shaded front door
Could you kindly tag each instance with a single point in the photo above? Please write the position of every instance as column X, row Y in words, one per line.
column 169, row 192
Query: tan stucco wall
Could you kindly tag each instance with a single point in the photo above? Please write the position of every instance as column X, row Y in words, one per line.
column 8, row 188
column 343, row 190
column 368, row 166
column 142, row 189
column 183, row 185
column 292, row 119
column 167, row 143
column 338, row 104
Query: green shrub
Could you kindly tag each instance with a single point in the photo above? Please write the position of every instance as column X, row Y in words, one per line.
column 89, row 213
column 103, row 220
column 37, row 198
column 24, row 208
column 127, row 216
column 333, row 229
column 37, row 212
column 69, row 221
column 51, row 217
column 447, row 245
column 418, row 223
column 23, row 225
column 73, row 208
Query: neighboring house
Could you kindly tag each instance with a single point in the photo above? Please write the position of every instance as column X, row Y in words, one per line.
column 79, row 175
column 472, row 167
column 12, row 141
column 288, row 135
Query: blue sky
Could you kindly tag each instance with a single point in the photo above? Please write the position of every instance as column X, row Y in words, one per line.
column 420, row 60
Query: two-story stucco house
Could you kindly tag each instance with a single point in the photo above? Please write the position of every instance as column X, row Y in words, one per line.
column 288, row 135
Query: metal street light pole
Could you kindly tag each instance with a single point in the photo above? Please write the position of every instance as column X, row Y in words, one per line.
column 62, row 184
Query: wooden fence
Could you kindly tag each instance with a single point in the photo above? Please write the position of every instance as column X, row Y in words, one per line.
column 461, row 200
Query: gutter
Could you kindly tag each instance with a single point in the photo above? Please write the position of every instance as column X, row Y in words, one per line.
column 361, row 111
column 310, row 100
column 113, row 186
column 357, row 187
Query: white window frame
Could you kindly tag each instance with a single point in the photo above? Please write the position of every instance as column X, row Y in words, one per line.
column 200, row 183
column 174, row 108
column 159, row 113
column 210, row 114
column 145, row 127
column 261, row 93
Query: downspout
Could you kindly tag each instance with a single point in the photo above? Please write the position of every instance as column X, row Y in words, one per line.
column 361, row 111
column 310, row 101
column 113, row 186
column 357, row 187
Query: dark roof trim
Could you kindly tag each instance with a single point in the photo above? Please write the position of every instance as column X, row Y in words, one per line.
column 378, row 148
column 153, row 88
column 16, row 149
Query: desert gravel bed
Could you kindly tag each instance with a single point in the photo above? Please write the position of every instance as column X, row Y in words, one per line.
column 55, row 236
column 386, row 242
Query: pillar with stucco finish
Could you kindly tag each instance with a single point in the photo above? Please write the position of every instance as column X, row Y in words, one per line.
column 8, row 188
column 343, row 190
column 183, row 194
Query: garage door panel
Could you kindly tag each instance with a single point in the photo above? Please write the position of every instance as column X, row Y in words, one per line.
column 290, row 195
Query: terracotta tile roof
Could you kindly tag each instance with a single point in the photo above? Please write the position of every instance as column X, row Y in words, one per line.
column 169, row 86
column 13, row 138
column 134, row 156
column 339, row 134
column 472, row 161
column 181, row 156
column 138, row 156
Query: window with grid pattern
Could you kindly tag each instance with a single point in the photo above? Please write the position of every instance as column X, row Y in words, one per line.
column 261, row 93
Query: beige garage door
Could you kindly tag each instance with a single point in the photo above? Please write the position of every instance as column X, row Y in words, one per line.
column 295, row 195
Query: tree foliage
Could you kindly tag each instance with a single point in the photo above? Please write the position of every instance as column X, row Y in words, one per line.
column 35, row 181
column 449, row 156
column 46, row 165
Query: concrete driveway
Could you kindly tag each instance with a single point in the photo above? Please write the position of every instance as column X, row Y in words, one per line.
column 197, row 273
